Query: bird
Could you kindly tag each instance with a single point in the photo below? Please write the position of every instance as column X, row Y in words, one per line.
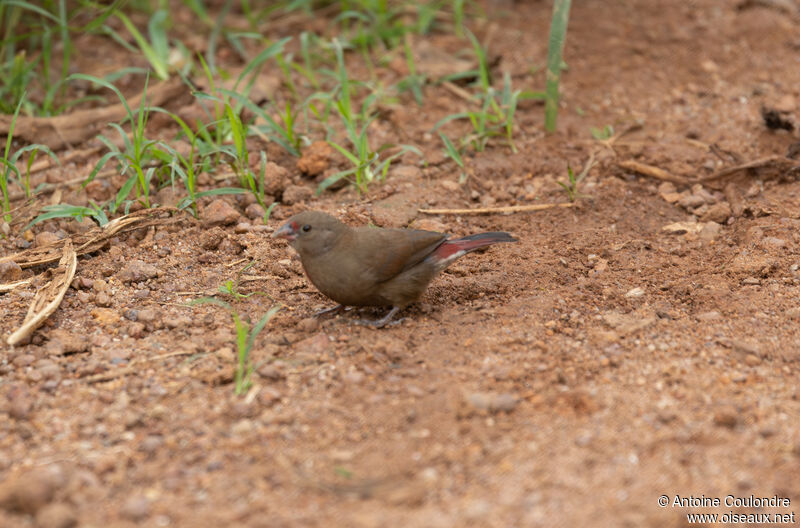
column 373, row 266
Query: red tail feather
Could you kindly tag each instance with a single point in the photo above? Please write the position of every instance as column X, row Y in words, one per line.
column 470, row 243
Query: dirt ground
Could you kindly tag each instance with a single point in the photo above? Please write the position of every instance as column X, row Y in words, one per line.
column 568, row 380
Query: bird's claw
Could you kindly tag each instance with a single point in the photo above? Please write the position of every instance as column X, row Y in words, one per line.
column 335, row 310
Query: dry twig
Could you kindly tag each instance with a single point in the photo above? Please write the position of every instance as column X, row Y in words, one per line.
column 49, row 297
column 497, row 210
column 653, row 172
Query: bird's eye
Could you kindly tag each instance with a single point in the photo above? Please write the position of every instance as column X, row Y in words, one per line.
column 306, row 228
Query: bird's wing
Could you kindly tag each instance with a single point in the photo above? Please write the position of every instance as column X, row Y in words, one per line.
column 390, row 252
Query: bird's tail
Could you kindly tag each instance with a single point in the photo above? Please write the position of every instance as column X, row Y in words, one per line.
column 453, row 249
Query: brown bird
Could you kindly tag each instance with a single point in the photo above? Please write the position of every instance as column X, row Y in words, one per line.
column 371, row 266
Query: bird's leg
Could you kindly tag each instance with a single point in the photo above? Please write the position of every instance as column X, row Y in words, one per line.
column 335, row 310
column 380, row 323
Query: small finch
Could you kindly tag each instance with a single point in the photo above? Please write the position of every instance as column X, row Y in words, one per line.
column 370, row 266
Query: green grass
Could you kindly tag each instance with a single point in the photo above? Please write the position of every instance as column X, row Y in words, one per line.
column 558, row 34
column 245, row 335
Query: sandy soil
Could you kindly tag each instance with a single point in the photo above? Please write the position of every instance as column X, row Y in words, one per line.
column 568, row 380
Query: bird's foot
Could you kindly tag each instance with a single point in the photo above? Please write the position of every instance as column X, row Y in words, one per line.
column 335, row 310
column 384, row 321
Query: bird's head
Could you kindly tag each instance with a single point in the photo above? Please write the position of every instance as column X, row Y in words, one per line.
column 311, row 232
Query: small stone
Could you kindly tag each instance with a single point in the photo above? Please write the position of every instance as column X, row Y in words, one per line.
column 710, row 231
column 243, row 427
column 276, row 178
column 48, row 369
column 271, row 371
column 775, row 242
column 294, row 194
column 719, row 213
column 492, row 402
column 709, row 316
column 136, row 330
column 241, row 228
column 212, row 238
column 220, row 212
column 354, row 377
column 691, row 201
column 10, row 271
column 309, row 325
column 316, row 158
column 20, row 402
column 793, row 313
column 449, row 185
column 137, row 271
column 31, row 491
column 752, row 360
column 745, row 347
column 135, row 508
column 105, row 316
column 45, row 238
column 634, row 293
column 102, row 299
column 177, row 322
column 151, row 444
column 254, row 211
column 709, row 66
column 147, row 315
column 726, row 416
column 56, row 515
column 69, row 342
column 785, row 104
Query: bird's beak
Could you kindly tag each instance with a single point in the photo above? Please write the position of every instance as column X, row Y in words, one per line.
column 287, row 231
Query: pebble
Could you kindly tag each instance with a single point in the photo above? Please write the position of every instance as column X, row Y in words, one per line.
column 243, row 427
column 492, row 402
column 56, row 515
column 136, row 330
column 309, row 324
column 102, row 299
column 745, row 347
column 20, row 402
column 151, row 444
column 137, row 271
column 220, row 212
column 709, row 316
column 45, row 238
column 634, row 293
column 147, row 315
column 177, row 322
column 752, row 360
column 271, row 371
column 726, row 416
column 775, row 242
column 691, row 201
column 33, row 490
column 135, row 508
column 10, row 271
column 254, row 211
column 294, row 194
column 354, row 377
column 710, row 231
column 719, row 213
column 242, row 227
column 449, row 185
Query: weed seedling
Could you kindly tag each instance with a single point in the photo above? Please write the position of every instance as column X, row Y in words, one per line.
column 571, row 187
column 245, row 338
column 602, row 134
